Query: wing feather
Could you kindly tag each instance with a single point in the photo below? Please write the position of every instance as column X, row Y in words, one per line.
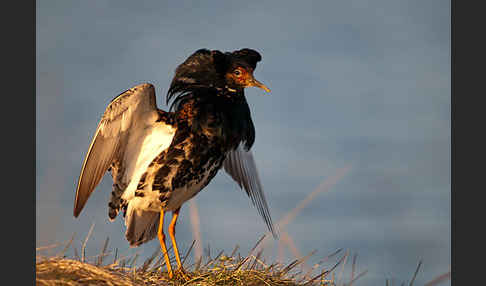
column 240, row 165
column 135, row 107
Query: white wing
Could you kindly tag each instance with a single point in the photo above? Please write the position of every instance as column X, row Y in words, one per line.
column 128, row 123
column 240, row 165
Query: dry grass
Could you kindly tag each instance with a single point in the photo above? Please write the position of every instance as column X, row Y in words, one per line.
column 220, row 270
column 232, row 269
column 62, row 271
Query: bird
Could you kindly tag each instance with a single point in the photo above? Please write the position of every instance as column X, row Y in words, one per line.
column 160, row 159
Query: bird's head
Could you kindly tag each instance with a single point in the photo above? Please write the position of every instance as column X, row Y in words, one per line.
column 238, row 68
column 227, row 73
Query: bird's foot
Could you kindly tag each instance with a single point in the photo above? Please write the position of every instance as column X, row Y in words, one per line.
column 170, row 274
column 180, row 272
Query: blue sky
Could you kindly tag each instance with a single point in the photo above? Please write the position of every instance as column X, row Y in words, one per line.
column 358, row 84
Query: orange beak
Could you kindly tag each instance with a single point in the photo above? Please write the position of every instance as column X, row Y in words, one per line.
column 253, row 82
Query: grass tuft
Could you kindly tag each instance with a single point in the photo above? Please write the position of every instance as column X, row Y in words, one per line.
column 234, row 269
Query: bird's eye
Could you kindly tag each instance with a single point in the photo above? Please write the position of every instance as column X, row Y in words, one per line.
column 237, row 72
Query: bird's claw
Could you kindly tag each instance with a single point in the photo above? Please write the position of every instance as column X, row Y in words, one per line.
column 180, row 272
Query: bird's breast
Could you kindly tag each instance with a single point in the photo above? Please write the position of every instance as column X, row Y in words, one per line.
column 193, row 186
column 204, row 136
column 181, row 171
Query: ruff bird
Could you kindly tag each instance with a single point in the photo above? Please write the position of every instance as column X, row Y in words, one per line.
column 160, row 159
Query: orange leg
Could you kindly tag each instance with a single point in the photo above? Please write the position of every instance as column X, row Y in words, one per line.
column 172, row 237
column 161, row 236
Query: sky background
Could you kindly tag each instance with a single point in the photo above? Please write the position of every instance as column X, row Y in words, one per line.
column 359, row 86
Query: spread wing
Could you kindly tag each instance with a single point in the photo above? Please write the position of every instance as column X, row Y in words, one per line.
column 240, row 165
column 124, row 123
